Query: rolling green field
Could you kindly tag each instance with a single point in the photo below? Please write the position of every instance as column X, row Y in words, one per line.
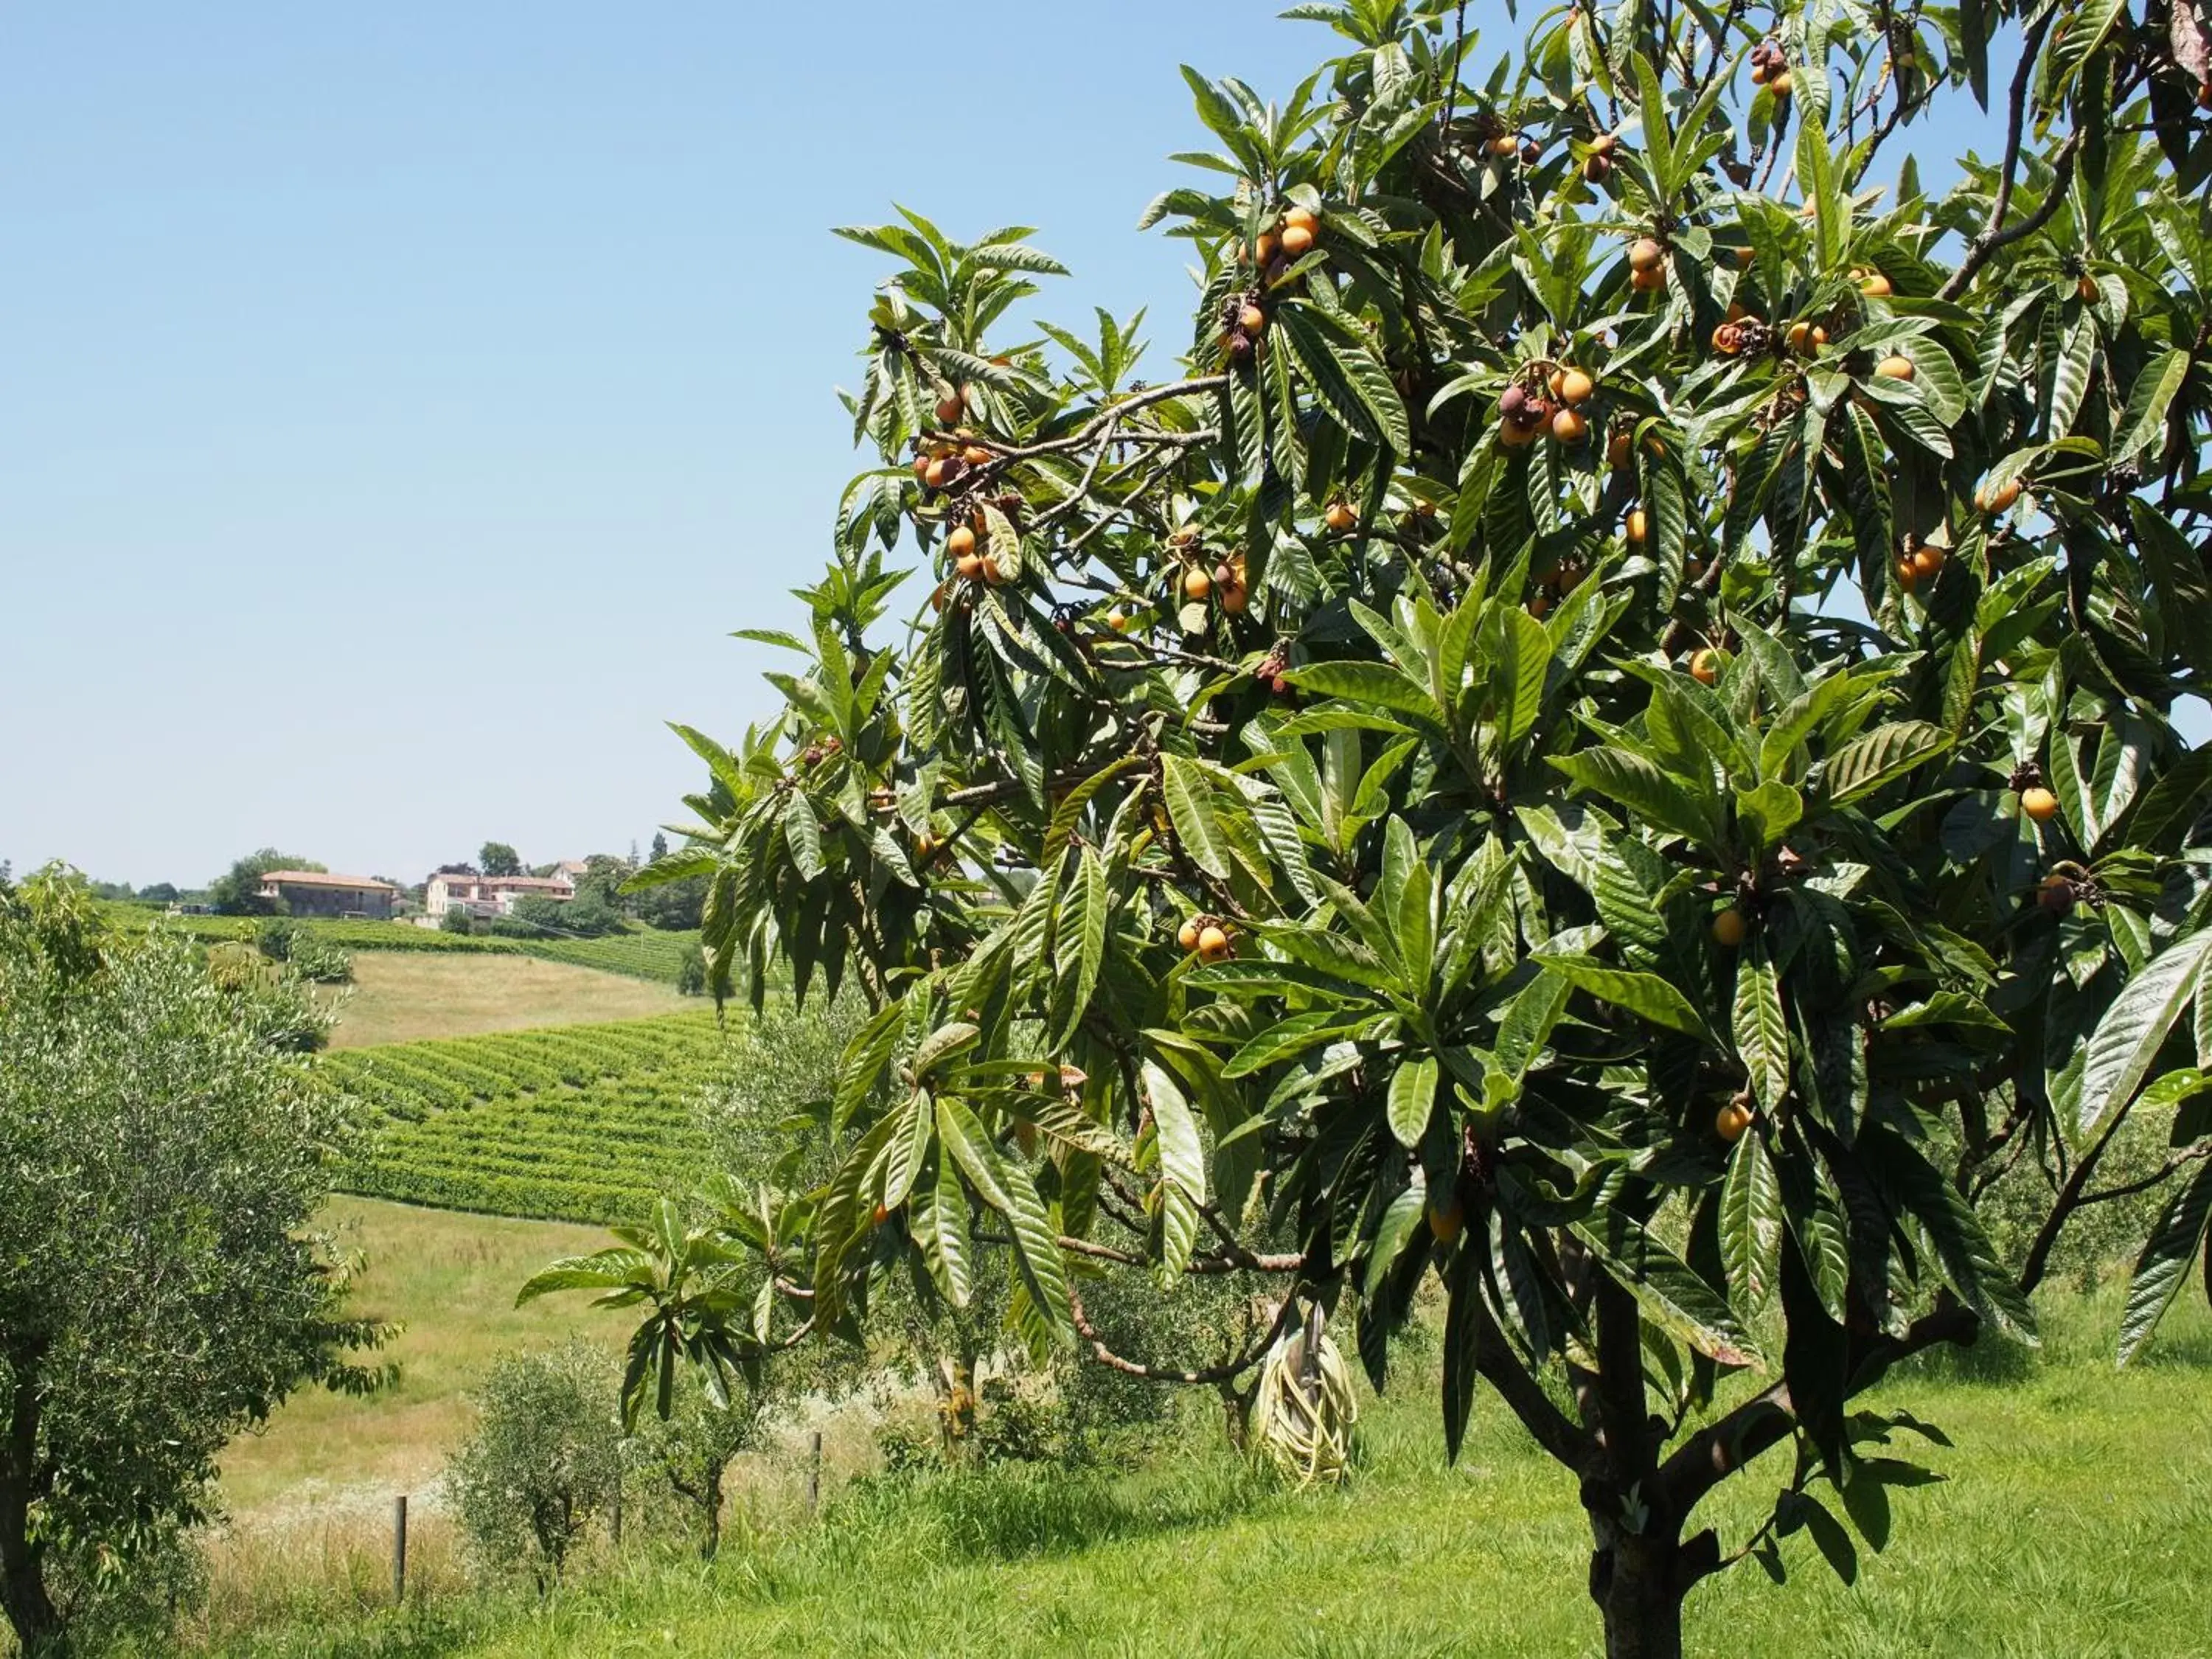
column 2073, row 1523
column 575, row 1123
column 643, row 953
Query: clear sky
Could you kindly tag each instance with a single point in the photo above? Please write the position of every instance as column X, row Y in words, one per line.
column 400, row 405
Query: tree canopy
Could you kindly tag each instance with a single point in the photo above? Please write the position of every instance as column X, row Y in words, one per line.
column 160, row 1287
column 1608, row 734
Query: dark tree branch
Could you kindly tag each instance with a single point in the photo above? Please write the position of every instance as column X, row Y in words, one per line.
column 1766, row 1419
column 1224, row 1372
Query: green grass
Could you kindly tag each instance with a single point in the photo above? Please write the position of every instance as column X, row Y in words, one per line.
column 2076, row 1527
column 449, row 1281
column 575, row 1123
column 397, row 997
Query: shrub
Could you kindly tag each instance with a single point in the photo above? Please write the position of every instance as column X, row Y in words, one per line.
column 544, row 1462
column 457, row 919
column 320, row 963
column 277, row 938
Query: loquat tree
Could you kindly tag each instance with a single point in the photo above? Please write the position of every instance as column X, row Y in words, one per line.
column 1609, row 735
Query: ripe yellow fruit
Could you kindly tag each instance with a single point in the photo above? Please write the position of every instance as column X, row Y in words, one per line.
column 1252, row 319
column 961, row 543
column 1895, row 368
column 1800, row 338
column 970, row 565
column 1569, row 428
column 2038, row 803
column 1731, row 1121
column 1705, row 669
column 1873, row 285
column 1517, row 434
column 1637, row 527
column 1296, row 238
column 992, row 575
column 1447, row 1219
column 1267, row 247
column 975, row 455
column 1196, row 584
column 1727, row 339
column 1620, row 451
column 942, row 472
column 1996, row 500
column 2087, row 288
column 1539, row 604
column 1118, row 621
column 1212, row 943
column 1505, row 144
column 951, row 408
column 1778, row 84
column 1187, row 935
column 1907, row 576
column 1926, row 561
column 1299, row 218
column 2055, row 893
column 1649, row 280
column 1235, row 598
column 1573, row 386
column 1729, row 927
column 1646, row 254
column 1745, row 258
column 1340, row 517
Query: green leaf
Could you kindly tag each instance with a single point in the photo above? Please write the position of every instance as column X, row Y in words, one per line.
column 1969, row 1260
column 1336, row 361
column 1647, row 995
column 1094, row 908
column 803, row 835
column 1751, row 1221
column 1190, row 807
column 940, row 1224
column 1874, row 758
column 1412, row 1098
column 1182, row 1171
column 1374, row 683
column 2148, row 399
column 1762, row 1038
column 1658, row 797
column 1669, row 1291
column 955, row 1037
column 2127, row 1039
column 2167, row 1255
column 2178, row 576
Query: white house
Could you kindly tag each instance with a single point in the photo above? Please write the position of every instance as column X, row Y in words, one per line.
column 492, row 896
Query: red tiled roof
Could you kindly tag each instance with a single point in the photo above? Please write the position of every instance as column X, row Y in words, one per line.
column 324, row 878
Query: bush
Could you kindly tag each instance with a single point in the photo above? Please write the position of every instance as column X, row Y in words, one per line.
column 277, row 938
column 544, row 1462
column 457, row 919
column 320, row 963
column 691, row 976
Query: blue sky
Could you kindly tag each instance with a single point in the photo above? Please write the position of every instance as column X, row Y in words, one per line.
column 403, row 402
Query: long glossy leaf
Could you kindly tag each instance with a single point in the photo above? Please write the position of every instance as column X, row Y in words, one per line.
column 1669, row 1291
column 2127, row 1039
column 1751, row 1221
column 2171, row 1250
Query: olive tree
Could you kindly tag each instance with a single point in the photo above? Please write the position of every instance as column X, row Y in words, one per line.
column 1607, row 733
column 164, row 1139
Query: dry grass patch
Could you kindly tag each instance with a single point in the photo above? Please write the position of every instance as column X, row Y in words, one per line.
column 405, row 997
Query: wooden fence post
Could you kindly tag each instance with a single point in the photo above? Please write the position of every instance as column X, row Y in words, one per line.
column 399, row 1549
column 814, row 1477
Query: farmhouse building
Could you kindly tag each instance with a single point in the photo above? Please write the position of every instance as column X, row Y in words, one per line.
column 491, row 895
column 317, row 893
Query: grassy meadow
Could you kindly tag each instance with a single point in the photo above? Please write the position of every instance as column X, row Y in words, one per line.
column 407, row 996
column 2075, row 1526
column 2073, row 1523
column 449, row 1280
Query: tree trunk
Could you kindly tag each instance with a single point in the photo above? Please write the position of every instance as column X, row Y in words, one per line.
column 712, row 1505
column 31, row 1612
column 1637, row 1584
